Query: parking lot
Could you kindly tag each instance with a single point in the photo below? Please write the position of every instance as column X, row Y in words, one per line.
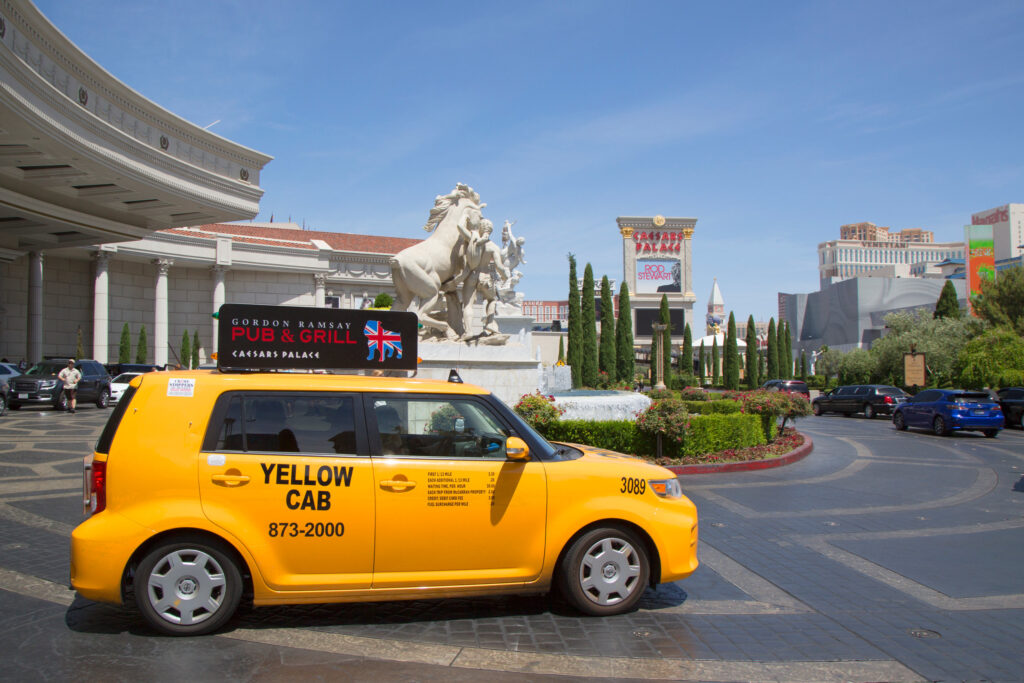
column 882, row 556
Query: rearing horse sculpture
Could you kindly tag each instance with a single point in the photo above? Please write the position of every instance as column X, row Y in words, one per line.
column 422, row 271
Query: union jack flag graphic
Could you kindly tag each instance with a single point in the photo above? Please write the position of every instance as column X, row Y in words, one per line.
column 384, row 342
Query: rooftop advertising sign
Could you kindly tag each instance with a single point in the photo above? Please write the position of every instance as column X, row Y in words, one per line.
column 274, row 337
column 981, row 261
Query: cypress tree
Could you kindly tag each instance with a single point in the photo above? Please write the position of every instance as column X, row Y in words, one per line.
column 606, row 352
column 732, row 379
column 714, row 362
column 589, row 319
column 762, row 364
column 751, row 368
column 186, row 350
column 773, row 351
column 561, row 349
column 803, row 366
column 666, row 340
column 686, row 356
column 625, row 358
column 701, row 364
column 575, row 355
column 124, row 353
column 141, row 346
column 947, row 306
column 195, row 350
column 786, row 346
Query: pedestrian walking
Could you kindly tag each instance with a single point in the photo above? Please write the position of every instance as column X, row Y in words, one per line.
column 71, row 377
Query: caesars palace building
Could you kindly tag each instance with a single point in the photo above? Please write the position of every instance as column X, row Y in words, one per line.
column 97, row 186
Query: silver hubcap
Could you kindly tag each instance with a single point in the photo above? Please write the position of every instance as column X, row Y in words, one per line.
column 610, row 571
column 186, row 587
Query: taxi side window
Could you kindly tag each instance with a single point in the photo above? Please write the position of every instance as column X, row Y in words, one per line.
column 438, row 427
column 287, row 423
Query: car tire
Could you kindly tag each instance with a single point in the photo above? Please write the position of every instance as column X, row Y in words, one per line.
column 3, row 405
column 196, row 574
column 103, row 400
column 816, row 409
column 939, row 426
column 62, row 402
column 899, row 421
column 869, row 411
column 1020, row 421
column 990, row 433
column 605, row 571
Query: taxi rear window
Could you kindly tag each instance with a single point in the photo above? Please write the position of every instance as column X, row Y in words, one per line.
column 312, row 423
column 107, row 435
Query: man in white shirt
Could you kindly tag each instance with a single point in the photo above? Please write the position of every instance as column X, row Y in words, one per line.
column 71, row 377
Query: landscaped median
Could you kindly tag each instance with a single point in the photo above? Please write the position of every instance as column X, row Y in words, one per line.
column 698, row 432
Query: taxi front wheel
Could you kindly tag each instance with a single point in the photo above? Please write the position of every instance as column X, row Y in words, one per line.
column 187, row 588
column 605, row 572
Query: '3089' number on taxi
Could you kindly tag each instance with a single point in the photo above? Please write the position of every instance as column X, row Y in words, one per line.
column 633, row 485
column 309, row 529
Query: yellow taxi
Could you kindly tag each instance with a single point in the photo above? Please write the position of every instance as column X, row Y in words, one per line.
column 210, row 487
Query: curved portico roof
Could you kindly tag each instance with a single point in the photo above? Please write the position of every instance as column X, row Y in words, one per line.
column 84, row 159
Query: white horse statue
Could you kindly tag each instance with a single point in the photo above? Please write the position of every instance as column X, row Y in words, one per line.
column 424, row 273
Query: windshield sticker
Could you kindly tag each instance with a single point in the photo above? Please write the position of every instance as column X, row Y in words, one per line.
column 180, row 386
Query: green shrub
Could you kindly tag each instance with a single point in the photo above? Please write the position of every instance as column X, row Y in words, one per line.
column 694, row 394
column 716, row 407
column 614, row 435
column 712, row 433
column 538, row 410
column 661, row 394
column 667, row 417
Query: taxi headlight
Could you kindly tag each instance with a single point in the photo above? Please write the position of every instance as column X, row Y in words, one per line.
column 666, row 488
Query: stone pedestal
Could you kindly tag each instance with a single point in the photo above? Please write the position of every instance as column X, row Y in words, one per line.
column 508, row 371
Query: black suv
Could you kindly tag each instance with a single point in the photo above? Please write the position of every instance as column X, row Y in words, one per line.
column 1011, row 400
column 792, row 386
column 40, row 384
column 870, row 399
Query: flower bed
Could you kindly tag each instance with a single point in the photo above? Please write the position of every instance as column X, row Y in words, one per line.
column 784, row 443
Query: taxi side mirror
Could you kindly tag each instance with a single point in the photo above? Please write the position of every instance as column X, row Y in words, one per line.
column 516, row 449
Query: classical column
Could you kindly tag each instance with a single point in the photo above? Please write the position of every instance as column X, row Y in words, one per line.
column 101, row 308
column 628, row 259
column 160, row 313
column 688, row 263
column 34, row 342
column 320, row 280
column 218, row 300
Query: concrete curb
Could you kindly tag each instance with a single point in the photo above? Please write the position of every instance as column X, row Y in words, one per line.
column 795, row 455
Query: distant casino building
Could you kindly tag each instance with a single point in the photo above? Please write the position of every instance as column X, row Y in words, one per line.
column 868, row 250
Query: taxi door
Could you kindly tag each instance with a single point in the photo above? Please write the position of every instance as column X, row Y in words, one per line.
column 280, row 473
column 451, row 509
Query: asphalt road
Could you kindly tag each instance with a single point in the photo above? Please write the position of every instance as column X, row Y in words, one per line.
column 882, row 556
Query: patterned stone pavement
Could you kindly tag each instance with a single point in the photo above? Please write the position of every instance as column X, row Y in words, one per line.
column 881, row 556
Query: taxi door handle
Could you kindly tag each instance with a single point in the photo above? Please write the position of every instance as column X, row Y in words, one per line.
column 397, row 483
column 231, row 479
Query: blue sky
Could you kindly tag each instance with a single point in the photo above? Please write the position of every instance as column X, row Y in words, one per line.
column 771, row 123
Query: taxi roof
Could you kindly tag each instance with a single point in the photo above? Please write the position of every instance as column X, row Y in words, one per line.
column 306, row 381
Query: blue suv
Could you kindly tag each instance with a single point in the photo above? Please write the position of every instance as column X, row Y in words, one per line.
column 945, row 410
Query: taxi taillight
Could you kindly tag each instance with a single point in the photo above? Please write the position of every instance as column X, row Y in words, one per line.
column 98, row 487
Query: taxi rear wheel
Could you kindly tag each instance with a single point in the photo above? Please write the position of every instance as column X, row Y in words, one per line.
column 605, row 571
column 187, row 587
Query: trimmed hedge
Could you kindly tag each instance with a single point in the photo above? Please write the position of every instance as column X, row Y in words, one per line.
column 715, row 407
column 711, row 433
column 706, row 434
column 613, row 435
